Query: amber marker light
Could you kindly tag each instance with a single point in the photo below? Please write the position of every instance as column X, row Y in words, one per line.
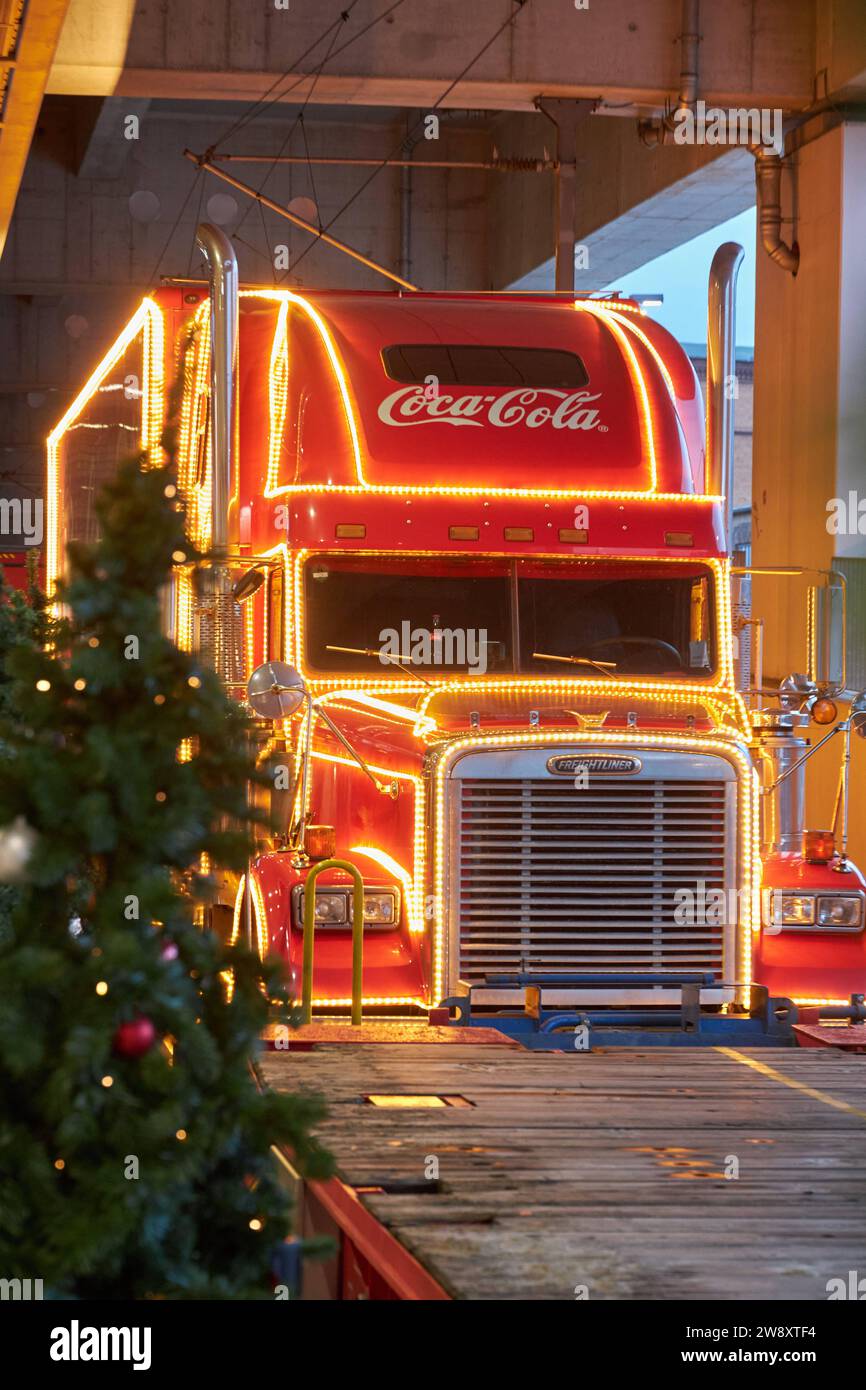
column 320, row 841
column 520, row 533
column 824, row 711
column 819, row 846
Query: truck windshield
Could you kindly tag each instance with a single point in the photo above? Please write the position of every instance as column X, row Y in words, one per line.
column 488, row 616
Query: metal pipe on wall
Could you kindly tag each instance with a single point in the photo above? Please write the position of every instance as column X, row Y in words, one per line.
column 721, row 376
column 220, row 637
column 657, row 132
column 223, row 271
column 768, row 182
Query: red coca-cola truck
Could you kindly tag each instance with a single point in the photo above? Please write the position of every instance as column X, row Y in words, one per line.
column 470, row 563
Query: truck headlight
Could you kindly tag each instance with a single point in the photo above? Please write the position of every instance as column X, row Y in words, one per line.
column 792, row 909
column 331, row 908
column 380, row 908
column 334, row 907
column 811, row 912
column 843, row 913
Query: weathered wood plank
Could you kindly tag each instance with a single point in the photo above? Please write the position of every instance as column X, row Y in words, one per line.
column 608, row 1170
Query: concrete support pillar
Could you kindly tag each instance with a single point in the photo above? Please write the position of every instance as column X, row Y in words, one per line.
column 567, row 116
column 809, row 468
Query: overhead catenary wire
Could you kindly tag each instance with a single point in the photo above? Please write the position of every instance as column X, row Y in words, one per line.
column 520, row 6
column 251, row 111
column 267, row 100
column 152, row 279
column 344, row 18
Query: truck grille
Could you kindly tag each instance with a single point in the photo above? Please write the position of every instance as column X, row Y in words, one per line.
column 552, row 878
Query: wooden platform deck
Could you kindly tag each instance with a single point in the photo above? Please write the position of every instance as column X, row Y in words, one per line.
column 604, row 1170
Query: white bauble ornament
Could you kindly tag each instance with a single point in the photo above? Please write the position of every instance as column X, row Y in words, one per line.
column 16, row 846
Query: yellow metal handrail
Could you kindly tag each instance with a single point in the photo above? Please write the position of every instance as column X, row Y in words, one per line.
column 357, row 936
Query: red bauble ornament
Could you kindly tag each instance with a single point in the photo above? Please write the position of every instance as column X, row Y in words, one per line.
column 168, row 951
column 134, row 1038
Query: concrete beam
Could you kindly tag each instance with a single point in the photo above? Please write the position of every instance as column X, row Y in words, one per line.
column 28, row 50
column 753, row 52
column 104, row 143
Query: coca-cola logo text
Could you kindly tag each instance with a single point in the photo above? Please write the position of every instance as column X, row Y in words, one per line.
column 562, row 410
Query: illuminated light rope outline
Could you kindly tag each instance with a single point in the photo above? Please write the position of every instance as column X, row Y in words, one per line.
column 278, row 395
column 282, row 550
column 748, row 837
column 687, row 693
column 228, row 976
column 415, row 900
column 259, row 914
column 722, row 686
column 391, row 866
column 824, row 1003
column 651, row 349
column 363, row 486
column 199, row 495
column 570, row 736
column 423, row 725
column 660, row 363
column 148, row 320
column 420, row 718
column 414, row 887
column 399, row 713
column 648, row 446
column 196, row 498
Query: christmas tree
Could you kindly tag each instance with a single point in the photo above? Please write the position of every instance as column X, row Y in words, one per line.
column 134, row 1143
column 23, row 622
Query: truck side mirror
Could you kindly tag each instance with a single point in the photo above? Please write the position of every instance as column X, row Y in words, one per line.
column 275, row 690
column 825, row 629
column 857, row 714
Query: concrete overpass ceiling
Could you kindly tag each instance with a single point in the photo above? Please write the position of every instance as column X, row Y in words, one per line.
column 681, row 211
column 216, row 49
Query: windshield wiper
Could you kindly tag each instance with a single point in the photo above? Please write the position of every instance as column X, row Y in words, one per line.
column 384, row 656
column 606, row 668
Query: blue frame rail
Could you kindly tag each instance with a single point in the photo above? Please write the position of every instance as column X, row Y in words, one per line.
column 769, row 1023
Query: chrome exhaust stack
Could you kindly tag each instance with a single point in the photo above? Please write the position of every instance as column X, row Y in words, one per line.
column 721, row 378
column 220, row 636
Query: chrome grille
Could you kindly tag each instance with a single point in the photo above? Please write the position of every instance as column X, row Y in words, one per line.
column 553, row 878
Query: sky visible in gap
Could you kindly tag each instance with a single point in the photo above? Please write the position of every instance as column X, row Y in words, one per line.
column 681, row 276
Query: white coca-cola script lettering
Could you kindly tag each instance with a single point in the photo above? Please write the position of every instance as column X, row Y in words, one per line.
column 562, row 410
